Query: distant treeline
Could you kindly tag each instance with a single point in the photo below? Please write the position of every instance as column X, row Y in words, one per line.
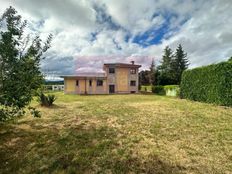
column 54, row 82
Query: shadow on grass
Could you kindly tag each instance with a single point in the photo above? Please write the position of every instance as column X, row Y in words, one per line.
column 54, row 106
column 82, row 148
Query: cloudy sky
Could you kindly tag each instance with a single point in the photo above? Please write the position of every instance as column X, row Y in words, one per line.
column 90, row 33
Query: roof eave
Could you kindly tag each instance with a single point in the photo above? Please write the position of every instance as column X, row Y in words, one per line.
column 132, row 66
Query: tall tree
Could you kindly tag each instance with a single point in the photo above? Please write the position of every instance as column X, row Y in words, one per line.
column 165, row 69
column 230, row 59
column 180, row 63
column 20, row 58
column 152, row 73
column 144, row 77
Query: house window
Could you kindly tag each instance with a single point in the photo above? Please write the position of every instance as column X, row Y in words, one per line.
column 132, row 83
column 133, row 71
column 77, row 82
column 111, row 70
column 99, row 82
column 90, row 82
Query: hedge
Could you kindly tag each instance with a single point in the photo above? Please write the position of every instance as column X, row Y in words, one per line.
column 172, row 90
column 147, row 88
column 158, row 90
column 211, row 84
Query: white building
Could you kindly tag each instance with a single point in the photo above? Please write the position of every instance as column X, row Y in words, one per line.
column 57, row 87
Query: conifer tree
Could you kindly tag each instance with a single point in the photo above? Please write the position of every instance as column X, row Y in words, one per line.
column 152, row 73
column 179, row 64
column 230, row 59
column 165, row 69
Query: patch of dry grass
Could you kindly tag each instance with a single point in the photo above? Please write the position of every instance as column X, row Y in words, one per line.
column 119, row 134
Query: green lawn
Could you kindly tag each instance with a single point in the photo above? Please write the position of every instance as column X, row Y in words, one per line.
column 119, row 134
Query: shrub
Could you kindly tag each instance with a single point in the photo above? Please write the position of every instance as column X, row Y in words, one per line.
column 46, row 100
column 145, row 89
column 211, row 84
column 51, row 99
column 172, row 90
column 140, row 87
column 34, row 112
column 158, row 90
column 9, row 113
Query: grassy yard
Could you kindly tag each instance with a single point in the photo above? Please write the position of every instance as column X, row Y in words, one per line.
column 119, row 134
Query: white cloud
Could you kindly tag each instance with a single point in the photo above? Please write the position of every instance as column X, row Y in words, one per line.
column 206, row 35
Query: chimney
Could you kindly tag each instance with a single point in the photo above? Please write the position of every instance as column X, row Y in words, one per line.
column 132, row 62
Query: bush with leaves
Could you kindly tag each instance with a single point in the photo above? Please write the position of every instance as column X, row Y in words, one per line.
column 8, row 112
column 158, row 90
column 34, row 112
column 145, row 89
column 172, row 90
column 20, row 57
column 46, row 100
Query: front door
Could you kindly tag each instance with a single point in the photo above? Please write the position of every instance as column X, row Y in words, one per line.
column 111, row 89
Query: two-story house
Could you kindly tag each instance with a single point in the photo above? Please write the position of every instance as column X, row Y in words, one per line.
column 117, row 78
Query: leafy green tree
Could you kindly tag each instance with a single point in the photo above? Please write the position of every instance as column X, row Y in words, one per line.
column 152, row 73
column 230, row 59
column 20, row 58
column 165, row 69
column 157, row 77
column 179, row 64
column 144, row 77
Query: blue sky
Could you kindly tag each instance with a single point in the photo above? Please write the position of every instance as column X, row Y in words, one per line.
column 88, row 33
column 154, row 36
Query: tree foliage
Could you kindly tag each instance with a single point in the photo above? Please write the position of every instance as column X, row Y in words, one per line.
column 152, row 73
column 165, row 68
column 147, row 77
column 158, row 89
column 172, row 66
column 180, row 63
column 20, row 58
column 230, row 59
column 144, row 77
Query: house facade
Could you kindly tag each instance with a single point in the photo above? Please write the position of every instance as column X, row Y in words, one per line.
column 117, row 78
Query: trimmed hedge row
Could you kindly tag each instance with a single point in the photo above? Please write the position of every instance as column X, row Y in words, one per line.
column 158, row 89
column 172, row 90
column 147, row 88
column 169, row 90
column 211, row 84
